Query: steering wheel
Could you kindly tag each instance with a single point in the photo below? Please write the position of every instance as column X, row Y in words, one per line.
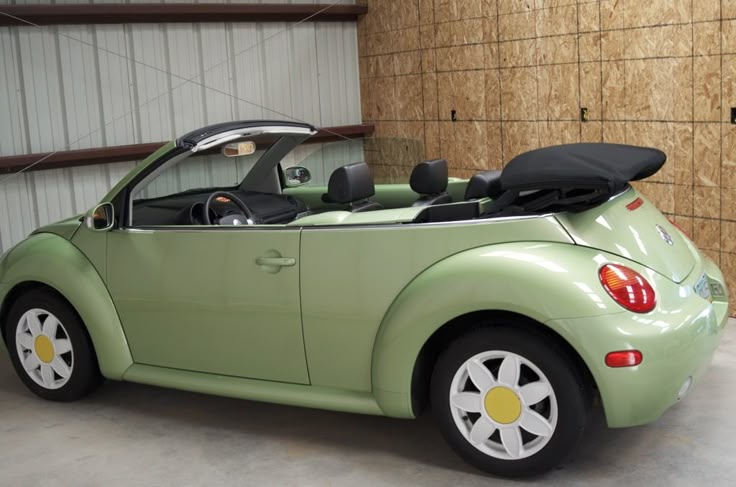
column 231, row 218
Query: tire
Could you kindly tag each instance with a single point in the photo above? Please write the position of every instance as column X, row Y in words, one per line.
column 486, row 423
column 60, row 362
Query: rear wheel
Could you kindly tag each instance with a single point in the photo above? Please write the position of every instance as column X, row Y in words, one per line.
column 49, row 347
column 508, row 401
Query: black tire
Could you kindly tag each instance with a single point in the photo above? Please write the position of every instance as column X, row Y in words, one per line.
column 85, row 375
column 568, row 383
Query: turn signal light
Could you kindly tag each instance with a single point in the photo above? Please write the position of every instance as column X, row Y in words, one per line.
column 628, row 288
column 624, row 358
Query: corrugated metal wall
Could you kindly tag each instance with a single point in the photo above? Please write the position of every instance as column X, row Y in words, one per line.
column 57, row 94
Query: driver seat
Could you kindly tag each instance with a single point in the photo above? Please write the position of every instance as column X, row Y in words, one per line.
column 352, row 185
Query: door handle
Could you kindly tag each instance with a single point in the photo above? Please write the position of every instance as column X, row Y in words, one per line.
column 276, row 261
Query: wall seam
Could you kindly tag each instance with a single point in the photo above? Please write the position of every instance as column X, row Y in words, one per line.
column 501, row 124
column 600, row 64
column 580, row 81
column 720, row 132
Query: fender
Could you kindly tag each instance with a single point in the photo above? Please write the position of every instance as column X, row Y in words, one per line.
column 52, row 260
column 528, row 278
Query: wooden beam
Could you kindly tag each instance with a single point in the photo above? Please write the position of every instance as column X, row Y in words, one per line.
column 129, row 13
column 134, row 152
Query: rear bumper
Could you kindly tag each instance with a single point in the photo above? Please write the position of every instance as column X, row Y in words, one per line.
column 677, row 341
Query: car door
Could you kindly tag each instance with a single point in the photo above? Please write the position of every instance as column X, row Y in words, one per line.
column 216, row 300
column 221, row 298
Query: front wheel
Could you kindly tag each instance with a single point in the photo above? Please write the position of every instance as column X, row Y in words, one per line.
column 508, row 401
column 49, row 347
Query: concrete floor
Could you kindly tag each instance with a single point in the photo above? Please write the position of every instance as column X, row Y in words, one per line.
column 128, row 434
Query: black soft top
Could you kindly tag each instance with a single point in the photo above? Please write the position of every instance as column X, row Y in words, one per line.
column 581, row 166
column 571, row 177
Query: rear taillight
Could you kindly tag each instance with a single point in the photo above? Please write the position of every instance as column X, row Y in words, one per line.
column 628, row 288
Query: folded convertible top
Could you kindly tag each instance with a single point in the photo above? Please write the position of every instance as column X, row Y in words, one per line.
column 581, row 166
column 572, row 177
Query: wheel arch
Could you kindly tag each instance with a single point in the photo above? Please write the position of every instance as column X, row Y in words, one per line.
column 12, row 296
column 25, row 287
column 533, row 282
column 460, row 325
column 50, row 261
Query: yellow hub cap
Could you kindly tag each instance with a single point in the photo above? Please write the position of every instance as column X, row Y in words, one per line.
column 502, row 405
column 44, row 349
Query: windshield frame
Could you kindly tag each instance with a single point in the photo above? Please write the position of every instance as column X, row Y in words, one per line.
column 289, row 137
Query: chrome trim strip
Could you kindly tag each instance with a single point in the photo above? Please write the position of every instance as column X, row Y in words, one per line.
column 395, row 225
column 206, row 228
column 409, row 224
column 132, row 230
column 621, row 193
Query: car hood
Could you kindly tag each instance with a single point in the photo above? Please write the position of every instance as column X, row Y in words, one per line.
column 64, row 228
column 629, row 225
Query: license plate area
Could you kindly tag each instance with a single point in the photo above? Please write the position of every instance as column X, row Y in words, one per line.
column 702, row 288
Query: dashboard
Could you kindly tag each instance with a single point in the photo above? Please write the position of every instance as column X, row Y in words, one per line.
column 188, row 208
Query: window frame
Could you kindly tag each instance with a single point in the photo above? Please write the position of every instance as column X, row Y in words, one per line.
column 289, row 137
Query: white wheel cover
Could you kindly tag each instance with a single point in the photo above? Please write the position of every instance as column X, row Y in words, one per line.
column 44, row 349
column 533, row 405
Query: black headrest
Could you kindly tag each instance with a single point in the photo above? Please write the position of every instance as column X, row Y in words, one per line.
column 429, row 177
column 483, row 185
column 350, row 183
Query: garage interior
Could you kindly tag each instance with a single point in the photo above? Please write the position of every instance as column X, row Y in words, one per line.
column 84, row 97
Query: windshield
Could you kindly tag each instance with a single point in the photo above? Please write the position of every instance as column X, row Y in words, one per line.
column 223, row 166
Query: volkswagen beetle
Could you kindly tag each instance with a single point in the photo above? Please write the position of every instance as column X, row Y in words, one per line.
column 507, row 303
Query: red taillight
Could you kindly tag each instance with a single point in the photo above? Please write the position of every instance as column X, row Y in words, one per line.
column 628, row 288
column 624, row 358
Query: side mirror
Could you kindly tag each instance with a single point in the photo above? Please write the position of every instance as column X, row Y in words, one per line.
column 297, row 175
column 101, row 218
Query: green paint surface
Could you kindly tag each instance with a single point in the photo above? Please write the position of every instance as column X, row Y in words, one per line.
column 342, row 326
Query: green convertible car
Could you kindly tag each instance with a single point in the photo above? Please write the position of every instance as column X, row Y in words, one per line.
column 508, row 303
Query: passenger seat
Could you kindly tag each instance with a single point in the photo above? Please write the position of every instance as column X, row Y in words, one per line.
column 486, row 184
column 352, row 185
column 429, row 179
